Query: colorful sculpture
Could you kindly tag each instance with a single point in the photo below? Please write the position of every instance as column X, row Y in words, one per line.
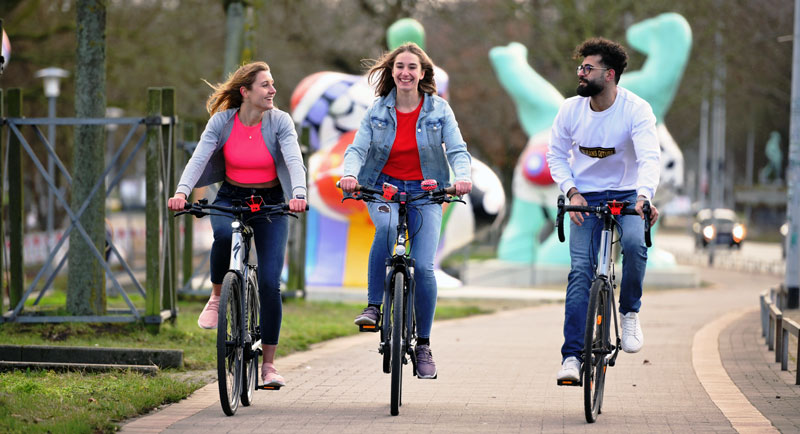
column 528, row 237
column 339, row 234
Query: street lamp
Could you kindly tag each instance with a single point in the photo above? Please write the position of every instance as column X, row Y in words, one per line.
column 52, row 77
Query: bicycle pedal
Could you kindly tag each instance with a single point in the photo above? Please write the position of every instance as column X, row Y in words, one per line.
column 568, row 382
column 368, row 328
column 267, row 387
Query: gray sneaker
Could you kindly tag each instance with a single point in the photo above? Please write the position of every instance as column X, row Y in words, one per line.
column 368, row 317
column 426, row 368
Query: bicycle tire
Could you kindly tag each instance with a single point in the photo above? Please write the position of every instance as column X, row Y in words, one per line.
column 252, row 316
column 595, row 348
column 397, row 344
column 386, row 331
column 229, row 350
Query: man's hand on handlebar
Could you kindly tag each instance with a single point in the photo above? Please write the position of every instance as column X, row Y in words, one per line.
column 177, row 202
column 577, row 200
column 653, row 211
column 348, row 184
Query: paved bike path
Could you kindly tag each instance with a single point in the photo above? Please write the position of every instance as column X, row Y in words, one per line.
column 497, row 373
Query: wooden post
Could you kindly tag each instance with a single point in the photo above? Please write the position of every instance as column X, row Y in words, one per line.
column 170, row 299
column 189, row 134
column 296, row 279
column 152, row 219
column 15, row 203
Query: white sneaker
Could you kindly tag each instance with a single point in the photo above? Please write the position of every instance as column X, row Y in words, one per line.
column 632, row 337
column 570, row 369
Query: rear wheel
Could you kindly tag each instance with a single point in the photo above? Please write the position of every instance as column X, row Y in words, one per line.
column 595, row 349
column 229, row 349
column 250, row 371
column 397, row 343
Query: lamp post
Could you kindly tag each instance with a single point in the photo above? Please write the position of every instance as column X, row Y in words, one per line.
column 52, row 77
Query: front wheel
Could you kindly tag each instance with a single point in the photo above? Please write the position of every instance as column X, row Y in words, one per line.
column 253, row 313
column 596, row 347
column 229, row 348
column 397, row 343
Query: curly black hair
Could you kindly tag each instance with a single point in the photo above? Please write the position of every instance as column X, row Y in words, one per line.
column 612, row 54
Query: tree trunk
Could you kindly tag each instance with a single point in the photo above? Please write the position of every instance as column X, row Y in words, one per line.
column 86, row 294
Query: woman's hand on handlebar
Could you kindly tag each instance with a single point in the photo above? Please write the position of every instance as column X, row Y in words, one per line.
column 348, row 184
column 577, row 200
column 463, row 187
column 177, row 202
column 653, row 211
column 297, row 205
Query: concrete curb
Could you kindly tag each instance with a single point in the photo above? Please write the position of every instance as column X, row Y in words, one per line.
column 92, row 355
column 83, row 367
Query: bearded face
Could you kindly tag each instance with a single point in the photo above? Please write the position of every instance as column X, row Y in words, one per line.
column 590, row 86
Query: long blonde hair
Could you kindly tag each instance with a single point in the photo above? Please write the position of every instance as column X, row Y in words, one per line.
column 380, row 72
column 226, row 95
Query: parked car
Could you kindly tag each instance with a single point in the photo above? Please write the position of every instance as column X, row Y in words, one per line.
column 724, row 229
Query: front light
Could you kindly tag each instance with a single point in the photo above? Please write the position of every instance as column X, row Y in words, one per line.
column 400, row 250
column 708, row 232
column 739, row 233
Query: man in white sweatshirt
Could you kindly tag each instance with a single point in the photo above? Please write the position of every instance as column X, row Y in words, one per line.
column 603, row 146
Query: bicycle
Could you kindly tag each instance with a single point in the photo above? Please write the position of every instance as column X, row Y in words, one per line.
column 238, row 330
column 398, row 325
column 598, row 351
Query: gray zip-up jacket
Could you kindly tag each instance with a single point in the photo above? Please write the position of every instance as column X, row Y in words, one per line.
column 207, row 165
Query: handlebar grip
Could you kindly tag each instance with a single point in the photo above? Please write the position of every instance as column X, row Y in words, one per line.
column 560, row 219
column 646, row 209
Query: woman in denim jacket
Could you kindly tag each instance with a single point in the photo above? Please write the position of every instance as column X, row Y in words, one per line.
column 252, row 147
column 400, row 142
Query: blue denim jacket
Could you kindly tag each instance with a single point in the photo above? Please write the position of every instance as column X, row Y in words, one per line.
column 368, row 153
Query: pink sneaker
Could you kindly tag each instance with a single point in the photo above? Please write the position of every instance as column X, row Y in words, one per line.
column 208, row 317
column 270, row 376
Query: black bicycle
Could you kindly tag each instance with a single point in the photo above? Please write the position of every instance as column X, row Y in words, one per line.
column 238, row 330
column 598, row 350
column 397, row 324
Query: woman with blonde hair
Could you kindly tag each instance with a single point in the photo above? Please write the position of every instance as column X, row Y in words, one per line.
column 400, row 142
column 251, row 147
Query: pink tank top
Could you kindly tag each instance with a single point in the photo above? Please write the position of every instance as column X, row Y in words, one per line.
column 247, row 160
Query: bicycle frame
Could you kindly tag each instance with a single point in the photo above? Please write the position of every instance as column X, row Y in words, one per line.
column 397, row 265
column 238, row 348
column 598, row 350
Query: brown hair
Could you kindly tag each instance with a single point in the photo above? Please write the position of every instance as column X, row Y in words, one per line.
column 380, row 73
column 613, row 55
column 226, row 95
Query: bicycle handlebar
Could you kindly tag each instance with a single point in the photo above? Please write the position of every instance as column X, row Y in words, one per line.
column 201, row 207
column 442, row 192
column 601, row 210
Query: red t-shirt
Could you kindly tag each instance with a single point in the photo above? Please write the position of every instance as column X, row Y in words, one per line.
column 403, row 160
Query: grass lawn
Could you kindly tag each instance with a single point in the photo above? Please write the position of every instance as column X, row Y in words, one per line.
column 37, row 401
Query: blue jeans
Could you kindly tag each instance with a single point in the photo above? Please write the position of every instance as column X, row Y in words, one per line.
column 424, row 225
column 584, row 244
column 270, row 241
